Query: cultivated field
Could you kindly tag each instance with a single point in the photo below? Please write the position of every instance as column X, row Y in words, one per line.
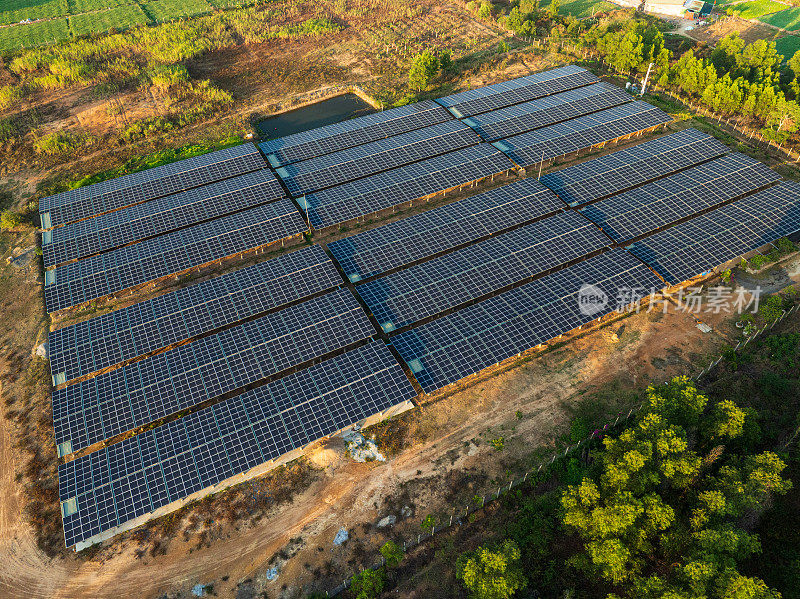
column 755, row 9
column 788, row 19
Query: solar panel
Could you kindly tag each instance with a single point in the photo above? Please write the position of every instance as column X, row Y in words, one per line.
column 426, row 234
column 137, row 330
column 469, row 340
column 645, row 209
column 541, row 112
column 145, row 391
column 561, row 139
column 625, row 169
column 115, row 229
column 433, row 287
column 381, row 155
column 703, row 243
column 390, row 188
column 149, row 184
column 170, row 253
column 491, row 97
column 109, row 487
column 354, row 132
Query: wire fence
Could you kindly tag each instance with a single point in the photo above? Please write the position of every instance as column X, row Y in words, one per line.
column 459, row 517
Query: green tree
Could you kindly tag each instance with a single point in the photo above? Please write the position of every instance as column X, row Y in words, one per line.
column 369, row 584
column 492, row 573
column 10, row 219
column 663, row 518
column 423, row 69
column 553, row 8
column 392, row 553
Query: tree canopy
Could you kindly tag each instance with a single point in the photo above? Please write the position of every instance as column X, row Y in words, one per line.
column 664, row 518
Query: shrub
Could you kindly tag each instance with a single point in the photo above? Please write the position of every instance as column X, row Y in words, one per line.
column 771, row 308
column 492, row 573
column 10, row 220
column 369, row 584
column 59, row 143
column 392, row 553
column 499, row 443
column 11, row 94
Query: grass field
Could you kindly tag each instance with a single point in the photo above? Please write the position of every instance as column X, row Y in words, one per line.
column 231, row 3
column 79, row 6
column 165, row 10
column 788, row 19
column 35, row 34
column 788, row 45
column 14, row 11
column 121, row 17
column 755, row 9
column 581, row 8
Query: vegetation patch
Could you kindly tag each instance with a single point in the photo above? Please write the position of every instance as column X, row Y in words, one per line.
column 755, row 9
column 14, row 11
column 34, row 34
column 167, row 10
column 120, row 18
column 788, row 19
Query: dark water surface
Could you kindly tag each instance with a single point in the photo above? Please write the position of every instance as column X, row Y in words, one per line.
column 333, row 110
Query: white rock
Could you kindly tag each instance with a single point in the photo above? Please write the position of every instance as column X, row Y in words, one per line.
column 406, row 511
column 43, row 350
column 387, row 521
column 271, row 574
column 341, row 537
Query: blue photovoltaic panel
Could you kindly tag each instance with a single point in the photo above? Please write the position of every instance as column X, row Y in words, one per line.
column 127, row 190
column 368, row 159
column 469, row 340
column 703, row 243
column 429, row 233
column 625, row 169
column 482, row 99
column 645, row 209
column 563, row 106
column 80, row 349
column 109, row 487
column 115, row 229
column 173, row 252
column 375, row 193
column 354, row 132
column 145, row 391
column 561, row 139
column 443, row 283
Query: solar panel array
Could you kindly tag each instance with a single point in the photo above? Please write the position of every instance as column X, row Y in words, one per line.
column 354, row 132
column 491, row 97
column 433, row 287
column 149, row 184
column 429, row 233
column 563, row 106
column 132, row 265
column 560, row 139
column 108, row 488
column 469, row 340
column 115, row 229
column 703, row 243
column 368, row 159
column 645, row 209
column 144, row 391
column 407, row 183
column 137, row 330
column 625, row 169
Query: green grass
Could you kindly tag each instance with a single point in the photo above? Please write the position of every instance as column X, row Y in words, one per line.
column 167, row 10
column 79, row 6
column 14, row 11
column 581, row 8
column 788, row 19
column 787, row 45
column 35, row 34
column 755, row 9
column 121, row 17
